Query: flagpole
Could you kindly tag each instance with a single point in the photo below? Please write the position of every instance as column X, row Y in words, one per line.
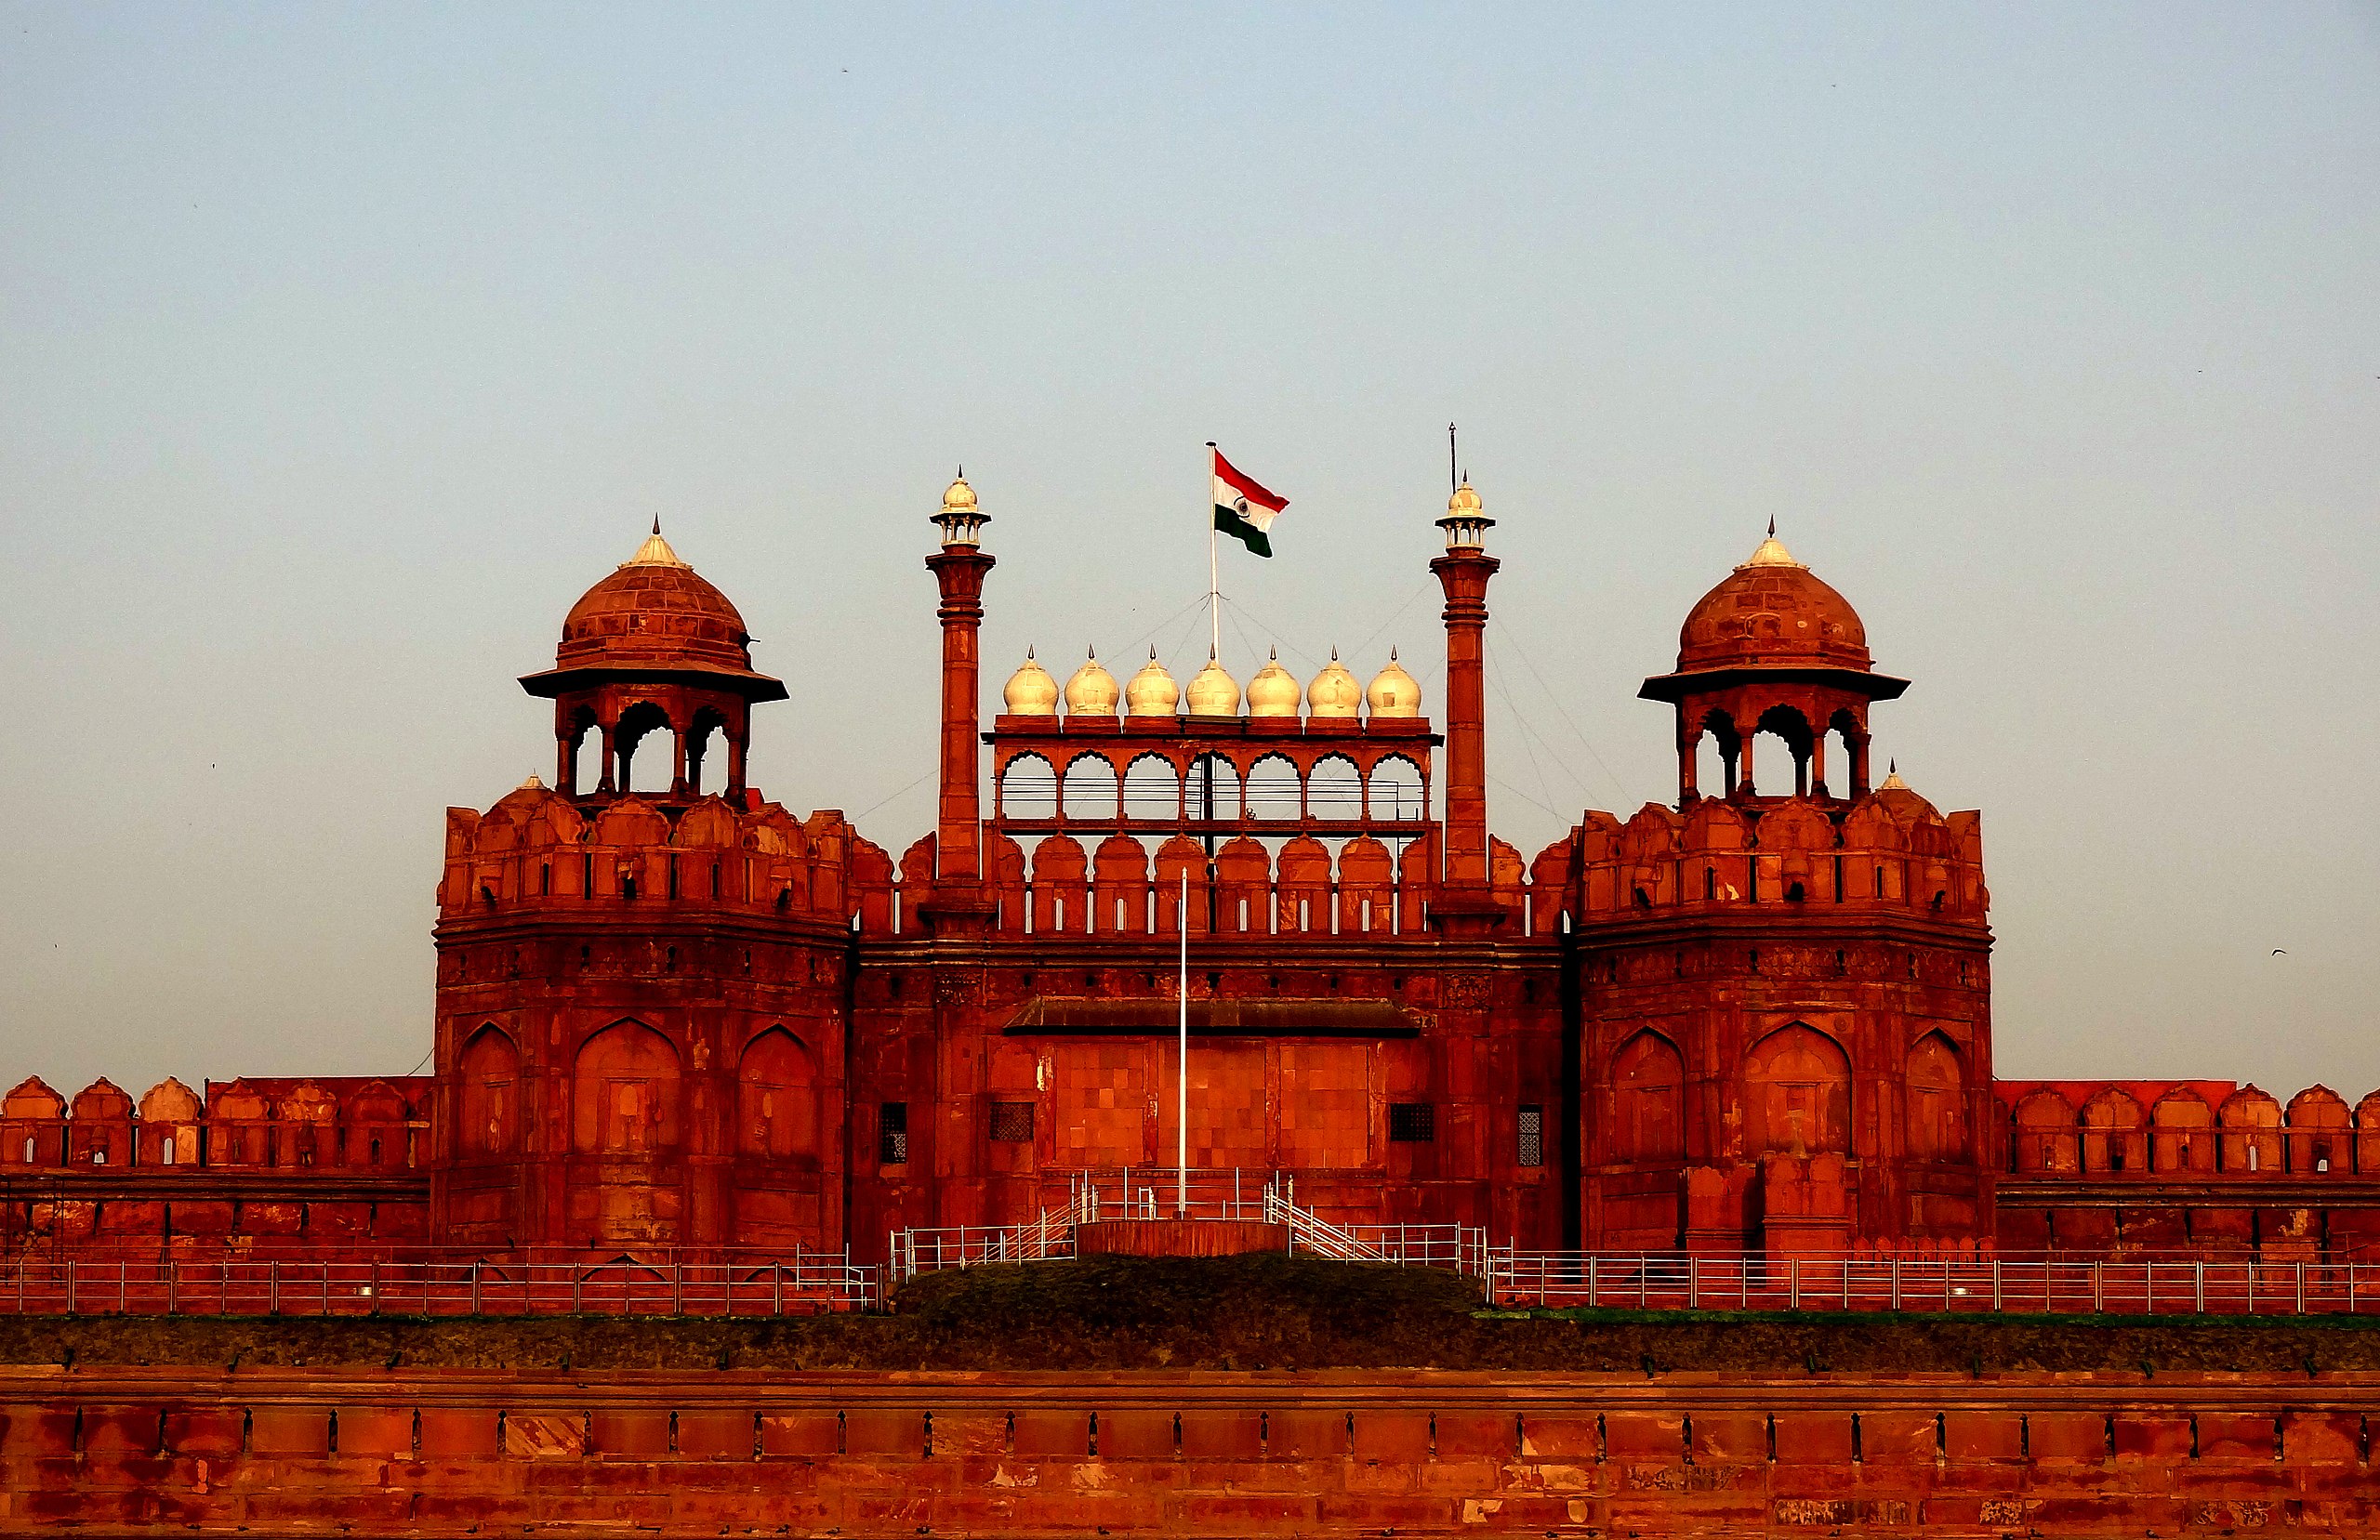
column 1214, row 572
column 1181, row 1087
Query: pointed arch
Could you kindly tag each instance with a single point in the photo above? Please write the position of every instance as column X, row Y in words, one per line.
column 1797, row 1091
column 2112, row 1137
column 2181, row 1132
column 776, row 1098
column 488, row 1081
column 1648, row 1100
column 1935, row 1110
column 624, row 1093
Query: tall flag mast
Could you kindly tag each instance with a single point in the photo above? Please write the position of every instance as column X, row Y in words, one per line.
column 1244, row 511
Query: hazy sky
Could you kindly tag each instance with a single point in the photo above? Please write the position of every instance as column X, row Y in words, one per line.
column 342, row 346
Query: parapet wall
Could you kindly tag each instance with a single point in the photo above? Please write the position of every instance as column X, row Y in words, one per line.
column 297, row 1453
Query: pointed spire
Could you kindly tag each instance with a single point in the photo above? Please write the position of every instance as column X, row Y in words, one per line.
column 1772, row 552
column 655, row 551
column 1893, row 783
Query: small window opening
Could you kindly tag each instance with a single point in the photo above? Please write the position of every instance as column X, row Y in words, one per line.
column 893, row 1134
column 1531, row 1130
column 545, row 878
column 1412, row 1123
column 1011, row 1122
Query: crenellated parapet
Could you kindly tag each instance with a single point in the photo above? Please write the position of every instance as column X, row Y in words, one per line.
column 539, row 853
column 1888, row 850
column 2154, row 1129
column 330, row 1122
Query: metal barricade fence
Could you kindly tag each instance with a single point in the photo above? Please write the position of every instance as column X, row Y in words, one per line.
column 401, row 1284
column 2006, row 1282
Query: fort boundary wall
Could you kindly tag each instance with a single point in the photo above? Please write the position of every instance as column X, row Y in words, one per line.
column 295, row 1452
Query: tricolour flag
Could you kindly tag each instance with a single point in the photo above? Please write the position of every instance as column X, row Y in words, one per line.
column 1243, row 508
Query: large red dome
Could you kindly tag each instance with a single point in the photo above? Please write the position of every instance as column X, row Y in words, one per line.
column 1772, row 612
column 655, row 615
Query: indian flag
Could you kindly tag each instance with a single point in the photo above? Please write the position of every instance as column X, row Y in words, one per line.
column 1243, row 508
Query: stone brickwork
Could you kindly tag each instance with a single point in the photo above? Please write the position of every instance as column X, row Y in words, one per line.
column 294, row 1454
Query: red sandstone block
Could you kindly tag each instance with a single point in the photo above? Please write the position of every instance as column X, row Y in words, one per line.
column 629, row 1433
column 289, row 1431
column 714, row 1435
column 1057, row 1435
column 1643, row 1436
column 1392, row 1436
column 2114, row 1512
column 334, row 1472
column 1812, row 1437
column 2197, row 1480
column 876, row 1433
column 1307, row 1436
column 2319, row 1437
column 1238, row 1514
column 1893, row 1437
column 2077, row 1436
column 452, row 1508
column 1378, row 1478
column 1985, row 1436
column 376, row 1430
column 43, row 1430
column 806, row 1435
column 1732, row 1436
column 1221, row 1435
column 121, row 1429
column 374, row 1512
column 959, row 1435
column 758, row 1508
column 608, row 1513
column 453, row 1432
column 1473, row 1435
column 211, row 1432
column 2234, row 1436
column 1136, row 1435
column 1365, row 1512
column 2150, row 1436
column 1458, row 1478
column 119, row 1468
column 554, row 1433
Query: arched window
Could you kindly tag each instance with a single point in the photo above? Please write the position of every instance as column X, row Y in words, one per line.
column 1090, row 788
column 1029, row 788
column 1797, row 1091
column 644, row 726
column 1152, row 789
column 624, row 1101
column 1334, row 788
column 1213, row 787
column 1648, row 1086
column 1397, row 791
column 488, row 1080
column 1936, row 1104
column 776, row 1090
column 1273, row 789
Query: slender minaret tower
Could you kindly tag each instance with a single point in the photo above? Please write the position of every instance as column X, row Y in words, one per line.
column 1465, row 903
column 958, row 905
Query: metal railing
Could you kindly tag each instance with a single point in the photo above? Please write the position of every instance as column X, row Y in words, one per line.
column 1458, row 1248
column 2008, row 1283
column 400, row 1286
column 1051, row 1237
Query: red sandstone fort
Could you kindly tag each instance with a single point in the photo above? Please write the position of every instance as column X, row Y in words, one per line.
column 689, row 1021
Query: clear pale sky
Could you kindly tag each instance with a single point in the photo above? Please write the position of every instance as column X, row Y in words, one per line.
column 342, row 346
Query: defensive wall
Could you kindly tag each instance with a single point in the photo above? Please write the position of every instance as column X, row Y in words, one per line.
column 299, row 1452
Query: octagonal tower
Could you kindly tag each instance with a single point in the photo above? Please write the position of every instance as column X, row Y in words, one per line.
column 1784, row 995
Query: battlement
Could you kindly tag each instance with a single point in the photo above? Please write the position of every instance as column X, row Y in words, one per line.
column 1887, row 850
column 2151, row 1130
column 329, row 1124
column 538, row 850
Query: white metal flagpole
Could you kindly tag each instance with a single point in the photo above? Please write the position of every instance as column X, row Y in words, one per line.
column 1181, row 1087
column 1214, row 572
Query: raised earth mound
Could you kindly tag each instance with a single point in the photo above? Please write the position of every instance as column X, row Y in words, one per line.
column 1265, row 1311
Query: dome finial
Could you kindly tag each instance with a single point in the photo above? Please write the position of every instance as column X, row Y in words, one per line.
column 655, row 551
column 1772, row 552
column 1772, row 526
column 1893, row 783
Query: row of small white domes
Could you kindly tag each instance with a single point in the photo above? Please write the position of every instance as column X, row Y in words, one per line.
column 1213, row 692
